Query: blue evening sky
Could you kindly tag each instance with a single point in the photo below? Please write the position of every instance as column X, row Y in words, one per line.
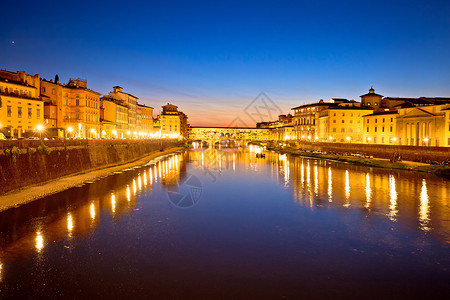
column 212, row 58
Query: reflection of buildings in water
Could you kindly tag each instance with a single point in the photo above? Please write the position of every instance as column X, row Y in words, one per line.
column 379, row 191
column 84, row 202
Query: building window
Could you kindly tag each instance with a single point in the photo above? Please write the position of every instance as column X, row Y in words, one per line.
column 334, row 129
column 334, row 121
column 382, row 129
column 375, row 129
column 391, row 129
column 19, row 112
column 38, row 113
column 367, row 129
column 351, row 121
column 8, row 111
column 342, row 121
column 376, row 120
column 391, row 119
column 367, row 121
column 54, row 92
column 342, row 129
column 29, row 113
column 382, row 140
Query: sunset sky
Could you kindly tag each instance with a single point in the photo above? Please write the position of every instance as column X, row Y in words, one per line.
column 212, row 59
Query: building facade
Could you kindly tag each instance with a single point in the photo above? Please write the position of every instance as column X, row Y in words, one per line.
column 21, row 109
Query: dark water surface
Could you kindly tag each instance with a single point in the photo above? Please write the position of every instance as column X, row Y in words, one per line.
column 223, row 224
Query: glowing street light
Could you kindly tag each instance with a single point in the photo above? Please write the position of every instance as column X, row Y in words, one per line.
column 70, row 130
column 39, row 129
column 347, row 138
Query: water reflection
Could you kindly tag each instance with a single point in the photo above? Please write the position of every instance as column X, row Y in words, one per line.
column 347, row 189
column 415, row 200
column 368, row 191
column 69, row 223
column 424, row 210
column 392, row 199
column 330, row 185
column 39, row 241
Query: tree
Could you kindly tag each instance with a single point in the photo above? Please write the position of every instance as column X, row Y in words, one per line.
column 56, row 78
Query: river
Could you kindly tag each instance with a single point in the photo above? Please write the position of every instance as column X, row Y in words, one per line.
column 224, row 224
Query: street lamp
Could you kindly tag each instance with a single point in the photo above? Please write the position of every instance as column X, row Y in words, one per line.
column 70, row 130
column 39, row 129
column 93, row 132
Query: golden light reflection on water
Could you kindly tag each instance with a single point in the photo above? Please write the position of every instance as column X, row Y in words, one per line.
column 347, row 189
column 424, row 209
column 392, row 199
column 128, row 194
column 403, row 198
column 316, row 181
column 92, row 210
column 113, row 203
column 368, row 191
column 70, row 225
column 39, row 241
column 330, row 185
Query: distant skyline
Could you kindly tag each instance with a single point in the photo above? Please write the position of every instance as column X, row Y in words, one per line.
column 213, row 59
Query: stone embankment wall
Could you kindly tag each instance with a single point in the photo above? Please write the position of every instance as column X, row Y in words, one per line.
column 24, row 163
column 411, row 153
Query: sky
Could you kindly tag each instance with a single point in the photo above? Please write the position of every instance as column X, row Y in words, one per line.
column 214, row 59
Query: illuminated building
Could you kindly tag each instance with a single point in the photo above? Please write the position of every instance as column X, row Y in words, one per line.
column 77, row 108
column 306, row 118
column 130, row 102
column 424, row 126
column 114, row 117
column 371, row 99
column 173, row 123
column 342, row 123
column 21, row 110
column 380, row 128
column 146, row 118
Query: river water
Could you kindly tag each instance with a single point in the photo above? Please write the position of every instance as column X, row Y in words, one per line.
column 223, row 224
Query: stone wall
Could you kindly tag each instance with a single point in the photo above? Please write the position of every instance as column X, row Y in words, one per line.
column 412, row 153
column 24, row 163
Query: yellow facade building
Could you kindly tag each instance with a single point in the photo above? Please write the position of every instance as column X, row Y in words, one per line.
column 114, row 117
column 380, row 128
column 146, row 119
column 21, row 110
column 342, row 124
column 424, row 126
column 130, row 102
